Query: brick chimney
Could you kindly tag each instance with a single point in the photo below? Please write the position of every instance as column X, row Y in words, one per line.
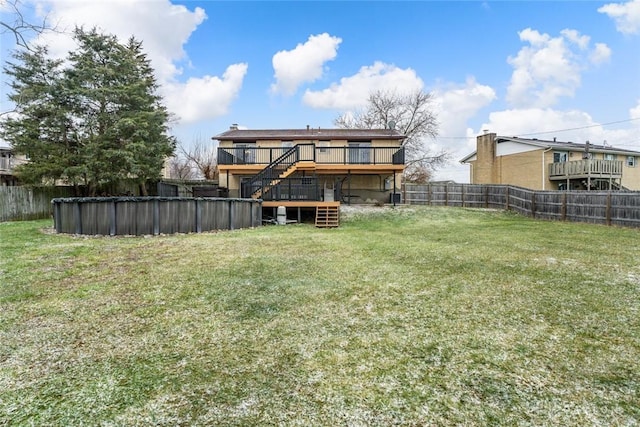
column 485, row 170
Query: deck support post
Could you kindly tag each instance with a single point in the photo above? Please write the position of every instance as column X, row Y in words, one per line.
column 393, row 192
column 349, row 186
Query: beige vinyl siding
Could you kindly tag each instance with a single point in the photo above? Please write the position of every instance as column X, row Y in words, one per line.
column 630, row 175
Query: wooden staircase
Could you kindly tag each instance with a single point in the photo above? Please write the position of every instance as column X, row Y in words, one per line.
column 327, row 216
column 258, row 194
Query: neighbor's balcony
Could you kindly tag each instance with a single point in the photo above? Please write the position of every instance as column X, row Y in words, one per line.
column 586, row 168
column 5, row 164
column 312, row 153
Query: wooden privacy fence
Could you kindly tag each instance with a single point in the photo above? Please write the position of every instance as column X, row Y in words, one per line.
column 113, row 216
column 598, row 207
column 23, row 203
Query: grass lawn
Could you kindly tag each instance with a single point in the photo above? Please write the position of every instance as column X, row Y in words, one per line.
column 413, row 316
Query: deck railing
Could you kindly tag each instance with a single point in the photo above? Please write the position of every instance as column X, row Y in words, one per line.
column 309, row 152
column 360, row 155
column 288, row 189
column 584, row 168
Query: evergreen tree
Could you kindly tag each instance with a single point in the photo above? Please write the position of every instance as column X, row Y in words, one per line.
column 111, row 124
column 39, row 126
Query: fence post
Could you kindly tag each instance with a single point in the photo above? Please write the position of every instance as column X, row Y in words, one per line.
column 429, row 196
column 198, row 216
column 608, row 212
column 77, row 213
column 231, row 215
column 486, row 196
column 112, row 218
column 462, row 195
column 563, row 209
column 156, row 217
column 446, row 194
column 533, row 204
column 506, row 199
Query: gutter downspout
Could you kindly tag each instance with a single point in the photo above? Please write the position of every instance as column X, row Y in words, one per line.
column 544, row 181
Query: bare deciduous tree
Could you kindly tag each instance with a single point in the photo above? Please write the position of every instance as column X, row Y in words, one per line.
column 180, row 168
column 412, row 115
column 201, row 158
column 15, row 23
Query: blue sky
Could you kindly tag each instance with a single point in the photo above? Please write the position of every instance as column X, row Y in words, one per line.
column 521, row 68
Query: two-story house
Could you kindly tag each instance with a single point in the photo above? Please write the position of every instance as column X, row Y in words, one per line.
column 552, row 165
column 8, row 161
column 307, row 168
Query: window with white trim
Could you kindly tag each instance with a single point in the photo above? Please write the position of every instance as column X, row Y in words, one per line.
column 631, row 161
column 560, row 156
column 609, row 156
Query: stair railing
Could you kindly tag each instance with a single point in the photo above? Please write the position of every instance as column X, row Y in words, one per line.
column 270, row 174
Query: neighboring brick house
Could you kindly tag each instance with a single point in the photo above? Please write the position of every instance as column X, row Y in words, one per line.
column 312, row 166
column 552, row 165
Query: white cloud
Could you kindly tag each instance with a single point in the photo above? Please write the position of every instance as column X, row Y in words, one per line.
column 304, row 63
column 164, row 29
column 600, row 53
column 146, row 20
column 455, row 105
column 626, row 15
column 458, row 103
column 550, row 68
column 543, row 71
column 634, row 112
column 205, row 97
column 526, row 121
column 353, row 92
column 575, row 37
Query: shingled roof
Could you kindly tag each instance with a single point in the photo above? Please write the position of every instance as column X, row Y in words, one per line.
column 567, row 145
column 308, row 134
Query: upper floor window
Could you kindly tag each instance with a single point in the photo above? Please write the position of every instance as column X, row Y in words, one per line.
column 609, row 156
column 287, row 144
column 323, row 145
column 560, row 156
column 631, row 161
column 244, row 152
